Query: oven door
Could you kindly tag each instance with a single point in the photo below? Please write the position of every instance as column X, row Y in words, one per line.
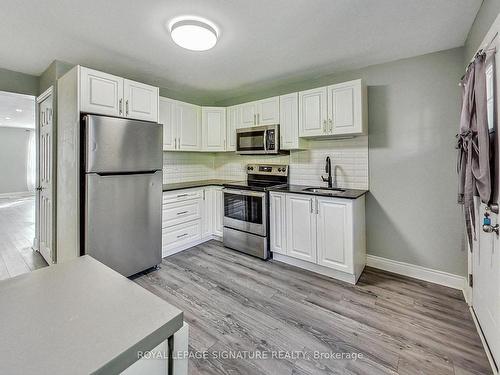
column 245, row 210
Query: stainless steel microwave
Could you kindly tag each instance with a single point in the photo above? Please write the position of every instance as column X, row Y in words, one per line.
column 258, row 140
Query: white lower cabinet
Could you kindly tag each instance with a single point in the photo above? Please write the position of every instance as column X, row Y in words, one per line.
column 277, row 223
column 190, row 217
column 322, row 234
column 301, row 227
column 218, row 211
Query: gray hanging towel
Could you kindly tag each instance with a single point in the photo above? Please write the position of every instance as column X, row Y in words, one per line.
column 473, row 163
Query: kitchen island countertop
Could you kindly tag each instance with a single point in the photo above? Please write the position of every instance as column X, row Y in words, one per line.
column 79, row 317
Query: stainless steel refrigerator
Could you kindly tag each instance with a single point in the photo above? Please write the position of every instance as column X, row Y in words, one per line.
column 122, row 177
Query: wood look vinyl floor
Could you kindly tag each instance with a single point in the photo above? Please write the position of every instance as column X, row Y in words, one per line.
column 17, row 231
column 238, row 304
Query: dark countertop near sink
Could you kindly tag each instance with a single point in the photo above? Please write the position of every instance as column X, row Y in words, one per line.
column 194, row 184
column 299, row 189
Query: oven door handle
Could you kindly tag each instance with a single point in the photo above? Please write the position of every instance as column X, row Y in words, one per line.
column 245, row 192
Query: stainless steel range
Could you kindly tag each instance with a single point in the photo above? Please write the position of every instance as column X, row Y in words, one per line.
column 246, row 209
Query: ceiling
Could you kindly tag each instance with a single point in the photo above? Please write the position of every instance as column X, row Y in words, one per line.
column 17, row 111
column 263, row 42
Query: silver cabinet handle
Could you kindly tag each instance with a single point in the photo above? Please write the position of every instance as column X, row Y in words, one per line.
column 203, row 194
column 258, row 118
column 254, row 119
column 182, row 235
column 311, row 205
column 182, row 195
column 324, row 126
column 126, row 107
column 175, row 143
column 317, row 207
column 330, row 121
column 224, row 144
column 182, row 213
column 120, row 106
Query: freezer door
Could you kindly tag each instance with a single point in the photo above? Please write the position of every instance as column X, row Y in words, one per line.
column 121, row 145
column 123, row 220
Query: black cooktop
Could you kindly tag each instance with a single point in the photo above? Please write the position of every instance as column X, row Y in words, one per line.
column 253, row 185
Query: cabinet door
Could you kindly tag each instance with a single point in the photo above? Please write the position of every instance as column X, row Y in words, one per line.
column 313, row 112
column 301, row 227
column 233, row 123
column 213, row 128
column 334, row 228
column 289, row 121
column 141, row 101
column 218, row 211
column 188, row 118
column 248, row 114
column 208, row 213
column 277, row 223
column 101, row 93
column 345, row 108
column 268, row 111
column 167, row 119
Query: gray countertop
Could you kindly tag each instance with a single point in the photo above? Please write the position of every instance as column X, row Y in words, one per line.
column 79, row 317
column 194, row 184
column 299, row 189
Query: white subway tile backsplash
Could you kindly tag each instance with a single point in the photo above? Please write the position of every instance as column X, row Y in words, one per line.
column 349, row 156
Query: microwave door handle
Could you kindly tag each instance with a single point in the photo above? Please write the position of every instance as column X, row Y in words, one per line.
column 265, row 140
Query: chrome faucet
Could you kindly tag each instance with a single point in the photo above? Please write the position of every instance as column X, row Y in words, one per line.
column 328, row 169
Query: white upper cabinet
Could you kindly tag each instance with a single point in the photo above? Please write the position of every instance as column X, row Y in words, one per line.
column 106, row 94
column 166, row 112
column 313, row 112
column 233, row 123
column 188, row 119
column 141, row 101
column 289, row 123
column 260, row 112
column 248, row 114
column 268, row 111
column 347, row 108
column 214, row 128
column 334, row 110
column 334, row 220
column 301, row 227
column 101, row 93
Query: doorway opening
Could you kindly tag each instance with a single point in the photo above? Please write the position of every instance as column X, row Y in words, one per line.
column 18, row 168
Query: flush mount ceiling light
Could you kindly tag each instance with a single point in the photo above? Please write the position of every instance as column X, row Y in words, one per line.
column 193, row 33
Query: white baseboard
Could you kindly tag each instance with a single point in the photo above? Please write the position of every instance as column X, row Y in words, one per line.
column 326, row 271
column 418, row 272
column 167, row 253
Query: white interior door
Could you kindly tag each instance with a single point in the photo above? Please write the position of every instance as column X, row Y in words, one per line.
column 46, row 174
column 486, row 257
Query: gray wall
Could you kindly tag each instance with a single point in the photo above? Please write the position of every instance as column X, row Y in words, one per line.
column 414, row 105
column 18, row 82
column 13, row 153
column 484, row 19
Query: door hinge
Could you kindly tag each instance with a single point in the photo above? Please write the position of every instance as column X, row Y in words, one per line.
column 471, row 280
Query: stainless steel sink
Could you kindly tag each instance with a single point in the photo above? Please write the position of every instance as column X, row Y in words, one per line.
column 330, row 191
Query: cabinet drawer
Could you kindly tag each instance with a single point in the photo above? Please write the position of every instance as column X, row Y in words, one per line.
column 180, row 212
column 181, row 195
column 178, row 235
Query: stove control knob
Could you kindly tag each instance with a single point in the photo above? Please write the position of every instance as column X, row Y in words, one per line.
column 279, row 169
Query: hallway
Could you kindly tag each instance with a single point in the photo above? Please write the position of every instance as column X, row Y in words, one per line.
column 17, row 230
